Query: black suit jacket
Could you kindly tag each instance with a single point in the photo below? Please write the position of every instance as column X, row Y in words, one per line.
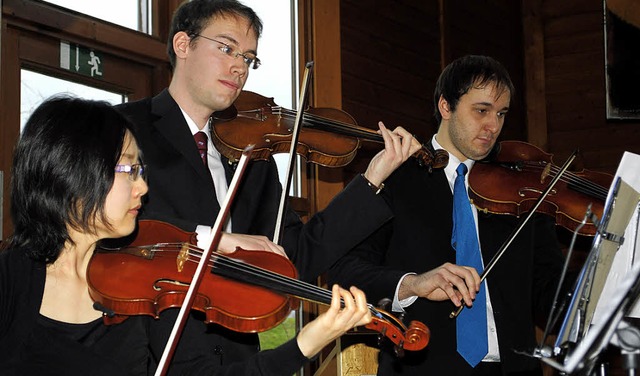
column 418, row 240
column 181, row 192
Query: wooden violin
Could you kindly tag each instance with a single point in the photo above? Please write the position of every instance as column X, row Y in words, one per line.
column 511, row 180
column 328, row 137
column 246, row 291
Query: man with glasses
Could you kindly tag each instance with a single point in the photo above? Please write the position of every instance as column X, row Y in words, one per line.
column 212, row 47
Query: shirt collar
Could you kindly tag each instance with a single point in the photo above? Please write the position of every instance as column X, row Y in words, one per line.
column 452, row 165
column 192, row 124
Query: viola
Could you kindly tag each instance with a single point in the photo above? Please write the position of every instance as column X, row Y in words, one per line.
column 513, row 177
column 328, row 137
column 247, row 291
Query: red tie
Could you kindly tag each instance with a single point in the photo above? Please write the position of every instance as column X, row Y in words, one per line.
column 201, row 143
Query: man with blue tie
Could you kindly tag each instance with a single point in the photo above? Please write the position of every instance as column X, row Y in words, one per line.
column 433, row 250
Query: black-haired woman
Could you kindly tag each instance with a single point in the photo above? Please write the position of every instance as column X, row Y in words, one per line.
column 78, row 178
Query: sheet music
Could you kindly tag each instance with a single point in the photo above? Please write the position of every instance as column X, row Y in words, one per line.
column 629, row 252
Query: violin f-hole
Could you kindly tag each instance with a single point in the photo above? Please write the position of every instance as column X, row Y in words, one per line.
column 157, row 283
column 522, row 192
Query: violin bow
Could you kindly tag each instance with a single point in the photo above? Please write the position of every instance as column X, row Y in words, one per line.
column 302, row 102
column 517, row 230
column 178, row 326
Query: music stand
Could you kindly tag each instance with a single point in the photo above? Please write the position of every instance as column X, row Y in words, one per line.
column 590, row 343
column 584, row 357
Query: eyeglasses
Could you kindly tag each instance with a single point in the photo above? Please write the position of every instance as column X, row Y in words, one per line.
column 135, row 170
column 251, row 61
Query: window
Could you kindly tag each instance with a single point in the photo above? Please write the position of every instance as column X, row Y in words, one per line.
column 276, row 78
column 36, row 87
column 133, row 14
column 277, row 49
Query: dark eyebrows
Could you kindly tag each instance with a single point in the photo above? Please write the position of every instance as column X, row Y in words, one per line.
column 131, row 156
column 489, row 104
column 232, row 40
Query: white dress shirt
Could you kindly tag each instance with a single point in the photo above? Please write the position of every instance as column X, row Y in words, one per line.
column 216, row 169
column 493, row 355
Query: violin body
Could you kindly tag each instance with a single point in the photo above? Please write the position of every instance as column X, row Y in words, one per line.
column 254, row 119
column 328, row 136
column 247, row 291
column 512, row 181
column 152, row 280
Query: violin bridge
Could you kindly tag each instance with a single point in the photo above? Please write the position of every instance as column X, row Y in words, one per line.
column 183, row 256
column 545, row 173
column 256, row 114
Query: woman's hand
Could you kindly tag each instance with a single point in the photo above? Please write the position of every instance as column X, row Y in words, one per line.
column 336, row 321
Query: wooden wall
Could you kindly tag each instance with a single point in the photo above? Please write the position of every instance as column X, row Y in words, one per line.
column 575, row 86
column 393, row 51
column 389, row 55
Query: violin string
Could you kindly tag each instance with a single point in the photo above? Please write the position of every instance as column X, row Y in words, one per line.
column 583, row 185
column 385, row 323
column 218, row 261
column 594, row 188
column 299, row 288
column 296, row 287
column 314, row 121
column 195, row 254
column 573, row 178
column 293, row 286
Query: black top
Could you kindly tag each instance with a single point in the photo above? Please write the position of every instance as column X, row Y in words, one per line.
column 31, row 344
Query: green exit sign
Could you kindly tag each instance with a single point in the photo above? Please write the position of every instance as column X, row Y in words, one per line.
column 80, row 59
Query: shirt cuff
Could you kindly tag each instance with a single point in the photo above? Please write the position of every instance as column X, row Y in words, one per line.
column 400, row 305
column 204, row 236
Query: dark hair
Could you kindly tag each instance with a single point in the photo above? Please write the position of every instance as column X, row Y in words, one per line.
column 63, row 169
column 193, row 16
column 467, row 72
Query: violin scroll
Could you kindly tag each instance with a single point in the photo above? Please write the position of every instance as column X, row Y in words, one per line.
column 414, row 338
column 431, row 159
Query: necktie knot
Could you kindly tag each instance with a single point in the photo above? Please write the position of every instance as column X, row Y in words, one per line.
column 201, row 143
column 462, row 169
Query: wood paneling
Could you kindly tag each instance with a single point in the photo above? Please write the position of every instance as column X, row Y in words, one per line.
column 390, row 63
column 390, row 56
column 575, row 87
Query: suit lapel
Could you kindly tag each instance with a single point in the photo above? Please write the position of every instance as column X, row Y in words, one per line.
column 240, row 209
column 173, row 127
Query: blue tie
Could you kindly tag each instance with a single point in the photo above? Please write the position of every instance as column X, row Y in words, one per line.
column 472, row 322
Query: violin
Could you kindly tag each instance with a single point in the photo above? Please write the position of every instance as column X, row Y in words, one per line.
column 328, row 137
column 511, row 179
column 246, row 291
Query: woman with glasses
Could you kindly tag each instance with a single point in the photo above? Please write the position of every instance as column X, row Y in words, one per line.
column 77, row 178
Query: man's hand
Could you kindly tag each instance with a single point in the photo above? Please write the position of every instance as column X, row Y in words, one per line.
column 448, row 281
column 399, row 145
column 229, row 243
